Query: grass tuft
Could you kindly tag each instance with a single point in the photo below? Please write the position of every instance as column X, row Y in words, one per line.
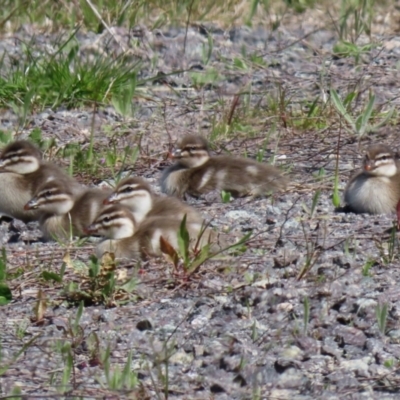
column 65, row 79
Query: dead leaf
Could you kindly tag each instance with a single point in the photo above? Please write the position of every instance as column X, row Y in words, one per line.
column 67, row 260
column 166, row 248
column 40, row 306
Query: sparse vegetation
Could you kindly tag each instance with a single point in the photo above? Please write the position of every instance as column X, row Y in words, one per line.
column 5, row 292
column 96, row 88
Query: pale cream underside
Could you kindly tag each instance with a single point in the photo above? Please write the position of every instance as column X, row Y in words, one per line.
column 13, row 199
column 372, row 195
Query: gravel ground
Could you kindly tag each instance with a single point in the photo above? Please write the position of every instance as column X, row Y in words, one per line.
column 236, row 329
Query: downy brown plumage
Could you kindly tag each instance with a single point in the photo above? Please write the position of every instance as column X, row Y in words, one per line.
column 136, row 194
column 127, row 239
column 63, row 212
column 197, row 172
column 22, row 171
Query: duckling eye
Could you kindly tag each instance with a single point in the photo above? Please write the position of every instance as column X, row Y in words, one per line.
column 384, row 158
column 47, row 194
column 128, row 189
column 106, row 219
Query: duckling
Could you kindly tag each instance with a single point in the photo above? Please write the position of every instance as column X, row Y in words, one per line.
column 22, row 171
column 197, row 172
column 62, row 211
column 136, row 194
column 127, row 239
column 375, row 189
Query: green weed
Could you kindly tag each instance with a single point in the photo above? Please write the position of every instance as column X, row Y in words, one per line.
column 366, row 269
column 188, row 258
column 360, row 125
column 381, row 317
column 98, row 284
column 388, row 249
column 226, row 197
column 117, row 378
column 5, row 291
column 355, row 18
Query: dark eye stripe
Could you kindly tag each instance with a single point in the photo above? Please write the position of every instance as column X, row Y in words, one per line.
column 383, row 157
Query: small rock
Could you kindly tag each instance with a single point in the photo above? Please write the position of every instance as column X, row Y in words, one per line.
column 239, row 214
column 216, row 388
column 144, row 325
column 343, row 380
column 349, row 335
column 181, row 358
column 308, row 344
column 198, row 350
column 292, row 378
column 360, row 366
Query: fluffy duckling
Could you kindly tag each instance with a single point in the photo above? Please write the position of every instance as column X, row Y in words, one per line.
column 197, row 172
column 128, row 240
column 376, row 188
column 63, row 212
column 22, row 171
column 136, row 194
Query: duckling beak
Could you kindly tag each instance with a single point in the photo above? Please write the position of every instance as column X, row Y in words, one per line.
column 368, row 165
column 31, row 204
column 111, row 199
column 177, row 153
column 90, row 229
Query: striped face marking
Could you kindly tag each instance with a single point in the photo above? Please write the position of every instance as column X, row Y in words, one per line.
column 20, row 164
column 135, row 195
column 114, row 223
column 382, row 164
column 52, row 198
column 21, row 157
column 192, row 156
column 192, row 151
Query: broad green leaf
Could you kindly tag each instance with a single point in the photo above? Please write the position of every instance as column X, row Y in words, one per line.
column 225, row 196
column 184, row 240
column 78, row 316
column 203, row 256
column 51, row 276
column 5, row 294
column 339, row 106
column 349, row 98
column 387, row 117
column 5, row 137
column 315, row 201
column 368, row 110
column 36, row 136
column 359, row 122
column 130, row 286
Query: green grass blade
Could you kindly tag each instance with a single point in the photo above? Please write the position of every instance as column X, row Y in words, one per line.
column 339, row 106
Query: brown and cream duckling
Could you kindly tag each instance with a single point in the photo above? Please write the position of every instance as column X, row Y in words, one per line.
column 136, row 194
column 62, row 211
column 376, row 188
column 22, row 171
column 197, row 172
column 127, row 239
